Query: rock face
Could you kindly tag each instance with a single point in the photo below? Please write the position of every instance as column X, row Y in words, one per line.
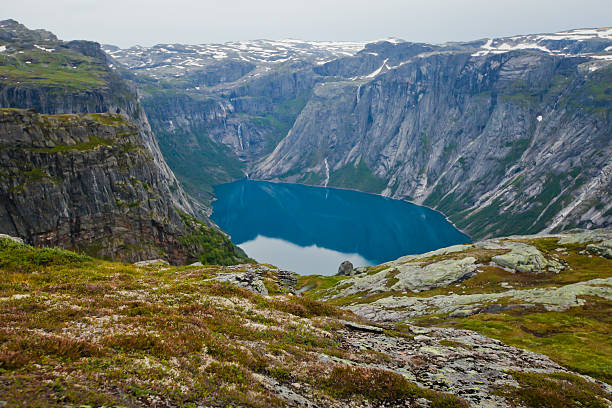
column 345, row 268
column 498, row 142
column 526, row 259
column 504, row 136
column 602, row 249
column 87, row 182
column 85, row 172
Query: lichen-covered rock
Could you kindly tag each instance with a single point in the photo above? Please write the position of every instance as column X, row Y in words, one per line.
column 12, row 239
column 152, row 262
column 584, row 236
column 602, row 249
column 526, row 258
column 252, row 281
column 395, row 308
column 409, row 276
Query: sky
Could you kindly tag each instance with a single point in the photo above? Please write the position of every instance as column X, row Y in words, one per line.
column 147, row 22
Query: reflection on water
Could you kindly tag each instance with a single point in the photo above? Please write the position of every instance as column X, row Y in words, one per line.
column 306, row 222
column 303, row 260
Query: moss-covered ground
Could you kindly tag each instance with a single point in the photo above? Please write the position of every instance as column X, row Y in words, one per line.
column 79, row 331
column 579, row 338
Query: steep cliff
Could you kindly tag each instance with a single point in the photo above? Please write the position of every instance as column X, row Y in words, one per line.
column 210, row 135
column 87, row 181
column 217, row 108
column 501, row 142
column 94, row 182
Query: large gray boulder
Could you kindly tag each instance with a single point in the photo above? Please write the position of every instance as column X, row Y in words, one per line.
column 345, row 269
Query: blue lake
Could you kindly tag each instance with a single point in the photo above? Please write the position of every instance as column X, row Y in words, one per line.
column 311, row 230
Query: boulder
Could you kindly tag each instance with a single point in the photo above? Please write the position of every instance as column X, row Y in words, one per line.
column 288, row 280
column 345, row 269
column 252, row 281
column 602, row 249
column 525, row 258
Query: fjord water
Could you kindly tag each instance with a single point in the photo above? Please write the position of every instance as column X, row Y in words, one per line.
column 311, row 230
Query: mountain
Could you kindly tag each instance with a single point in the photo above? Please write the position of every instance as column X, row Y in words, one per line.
column 216, row 108
column 75, row 332
column 504, row 136
column 81, row 168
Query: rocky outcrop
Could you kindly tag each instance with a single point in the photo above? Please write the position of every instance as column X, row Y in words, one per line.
column 255, row 278
column 602, row 249
column 525, row 258
column 88, row 182
column 455, row 305
column 395, row 284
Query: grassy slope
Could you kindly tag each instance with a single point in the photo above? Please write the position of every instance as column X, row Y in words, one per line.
column 59, row 68
column 75, row 330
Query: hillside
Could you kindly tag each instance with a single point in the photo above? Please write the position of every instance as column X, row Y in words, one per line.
column 548, row 294
column 79, row 331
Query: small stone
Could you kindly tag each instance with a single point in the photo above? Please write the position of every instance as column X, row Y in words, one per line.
column 152, row 262
column 196, row 264
column 15, row 240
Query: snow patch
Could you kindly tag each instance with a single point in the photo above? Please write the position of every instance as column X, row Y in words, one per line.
column 379, row 70
column 44, row 49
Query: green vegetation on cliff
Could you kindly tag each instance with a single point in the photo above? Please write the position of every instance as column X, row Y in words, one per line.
column 212, row 246
column 34, row 68
column 358, row 177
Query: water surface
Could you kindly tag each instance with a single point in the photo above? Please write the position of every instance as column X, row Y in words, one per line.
column 311, row 230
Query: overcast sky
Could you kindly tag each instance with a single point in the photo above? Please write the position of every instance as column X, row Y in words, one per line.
column 130, row 22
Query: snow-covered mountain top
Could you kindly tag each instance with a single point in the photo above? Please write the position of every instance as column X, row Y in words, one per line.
column 593, row 42
column 258, row 52
column 175, row 60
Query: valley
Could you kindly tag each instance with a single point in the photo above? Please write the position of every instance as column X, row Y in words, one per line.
column 504, row 136
column 469, row 183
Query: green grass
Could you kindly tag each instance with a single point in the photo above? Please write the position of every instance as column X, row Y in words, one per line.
column 317, row 284
column 24, row 258
column 358, row 177
column 60, row 68
column 212, row 245
column 554, row 390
